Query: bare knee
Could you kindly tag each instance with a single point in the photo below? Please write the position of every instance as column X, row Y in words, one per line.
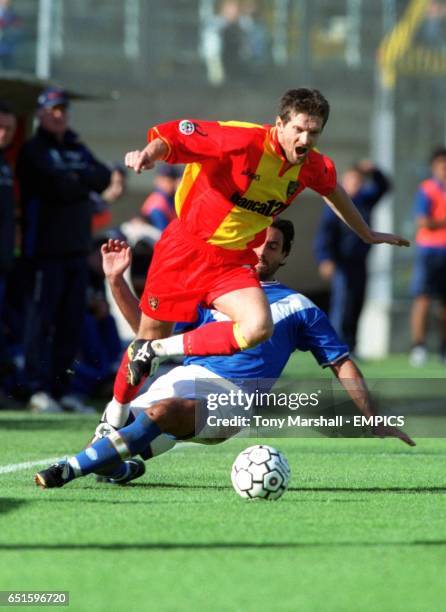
column 250, row 310
column 255, row 333
column 174, row 415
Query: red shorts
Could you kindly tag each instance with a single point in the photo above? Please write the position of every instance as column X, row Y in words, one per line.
column 186, row 272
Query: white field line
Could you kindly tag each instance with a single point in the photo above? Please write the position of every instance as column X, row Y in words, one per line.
column 16, row 467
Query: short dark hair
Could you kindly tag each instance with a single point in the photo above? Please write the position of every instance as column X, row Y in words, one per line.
column 437, row 153
column 287, row 228
column 304, row 100
column 6, row 108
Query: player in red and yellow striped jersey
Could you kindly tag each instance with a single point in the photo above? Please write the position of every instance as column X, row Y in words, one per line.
column 238, row 178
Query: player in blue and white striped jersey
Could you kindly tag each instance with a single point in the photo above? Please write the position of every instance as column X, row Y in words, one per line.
column 166, row 411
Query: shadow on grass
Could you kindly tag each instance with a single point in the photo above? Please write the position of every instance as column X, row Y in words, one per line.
column 10, row 505
column 371, row 489
column 163, row 546
column 117, row 502
column 168, row 485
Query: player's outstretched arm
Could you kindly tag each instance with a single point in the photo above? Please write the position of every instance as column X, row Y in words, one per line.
column 351, row 378
column 145, row 159
column 384, row 238
column 116, row 258
column 343, row 207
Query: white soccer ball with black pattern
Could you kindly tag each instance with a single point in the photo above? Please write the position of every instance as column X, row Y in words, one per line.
column 260, row 472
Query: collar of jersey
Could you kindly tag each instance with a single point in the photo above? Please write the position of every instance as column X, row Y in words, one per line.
column 273, row 143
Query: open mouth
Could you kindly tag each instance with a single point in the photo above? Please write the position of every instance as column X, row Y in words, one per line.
column 301, row 150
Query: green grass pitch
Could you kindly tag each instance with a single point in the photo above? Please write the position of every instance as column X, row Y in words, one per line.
column 362, row 527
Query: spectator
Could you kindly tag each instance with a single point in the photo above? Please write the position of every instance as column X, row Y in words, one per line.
column 429, row 274
column 342, row 256
column 57, row 173
column 7, row 198
column 10, row 26
column 226, row 46
column 118, row 183
column 7, row 210
column 233, row 39
column 159, row 207
column 102, row 215
column 256, row 43
column 433, row 29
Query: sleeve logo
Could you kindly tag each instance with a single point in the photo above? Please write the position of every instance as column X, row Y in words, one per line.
column 186, row 127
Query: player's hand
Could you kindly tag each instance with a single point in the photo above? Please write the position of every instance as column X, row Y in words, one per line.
column 139, row 160
column 383, row 238
column 383, row 431
column 116, row 258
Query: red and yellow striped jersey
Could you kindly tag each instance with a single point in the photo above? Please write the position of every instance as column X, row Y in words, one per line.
column 237, row 179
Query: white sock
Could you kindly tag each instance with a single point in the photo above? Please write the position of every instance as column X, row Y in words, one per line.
column 161, row 444
column 116, row 414
column 168, row 347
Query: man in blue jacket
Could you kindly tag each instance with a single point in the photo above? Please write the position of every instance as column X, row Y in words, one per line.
column 341, row 256
column 7, row 198
column 7, row 203
column 57, row 173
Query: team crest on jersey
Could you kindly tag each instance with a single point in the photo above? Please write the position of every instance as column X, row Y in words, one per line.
column 186, row 127
column 293, row 186
column 153, row 302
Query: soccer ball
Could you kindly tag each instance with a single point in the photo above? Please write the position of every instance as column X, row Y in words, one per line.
column 260, row 472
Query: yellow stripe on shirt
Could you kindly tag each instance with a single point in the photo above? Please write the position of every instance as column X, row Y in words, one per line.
column 190, row 175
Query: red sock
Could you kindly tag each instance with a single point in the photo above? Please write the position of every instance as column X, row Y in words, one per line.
column 212, row 339
column 122, row 391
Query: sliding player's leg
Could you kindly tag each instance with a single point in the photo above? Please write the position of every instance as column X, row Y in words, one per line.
column 175, row 416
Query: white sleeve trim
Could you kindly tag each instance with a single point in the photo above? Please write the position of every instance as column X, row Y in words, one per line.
column 329, row 363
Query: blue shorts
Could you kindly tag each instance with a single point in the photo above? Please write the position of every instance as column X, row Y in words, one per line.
column 429, row 274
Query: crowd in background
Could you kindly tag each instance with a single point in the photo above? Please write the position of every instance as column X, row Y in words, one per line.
column 61, row 338
column 60, row 342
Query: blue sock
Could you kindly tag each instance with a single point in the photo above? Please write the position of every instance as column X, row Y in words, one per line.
column 109, row 452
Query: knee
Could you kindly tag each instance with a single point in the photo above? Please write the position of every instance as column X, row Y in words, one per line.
column 173, row 415
column 162, row 411
column 257, row 333
column 263, row 332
